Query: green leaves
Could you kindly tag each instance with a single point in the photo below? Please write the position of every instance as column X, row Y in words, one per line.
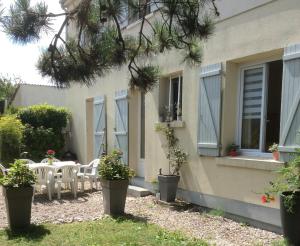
column 100, row 43
column 25, row 23
column 112, row 168
column 19, row 175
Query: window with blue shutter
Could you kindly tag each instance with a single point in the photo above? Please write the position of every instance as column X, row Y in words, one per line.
column 209, row 118
column 290, row 106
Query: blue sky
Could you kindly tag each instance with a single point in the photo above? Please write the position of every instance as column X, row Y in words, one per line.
column 20, row 60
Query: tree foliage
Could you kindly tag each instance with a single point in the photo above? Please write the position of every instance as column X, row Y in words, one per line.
column 8, row 87
column 100, row 43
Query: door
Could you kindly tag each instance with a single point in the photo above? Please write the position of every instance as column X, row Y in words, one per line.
column 99, row 113
column 141, row 135
column 121, row 123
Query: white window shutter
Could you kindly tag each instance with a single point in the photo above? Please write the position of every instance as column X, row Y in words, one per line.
column 290, row 102
column 99, row 126
column 123, row 19
column 121, row 123
column 209, row 118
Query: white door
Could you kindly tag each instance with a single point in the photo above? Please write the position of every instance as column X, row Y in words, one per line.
column 121, row 123
column 141, row 140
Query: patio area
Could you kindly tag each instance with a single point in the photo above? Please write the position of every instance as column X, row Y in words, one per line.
column 189, row 219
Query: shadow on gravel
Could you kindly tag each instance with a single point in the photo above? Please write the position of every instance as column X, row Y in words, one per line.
column 65, row 197
column 34, row 233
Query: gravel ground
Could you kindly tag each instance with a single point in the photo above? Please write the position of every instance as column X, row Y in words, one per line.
column 186, row 218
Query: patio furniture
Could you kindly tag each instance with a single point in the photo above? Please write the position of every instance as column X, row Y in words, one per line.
column 46, row 160
column 27, row 161
column 45, row 177
column 89, row 172
column 3, row 170
column 68, row 176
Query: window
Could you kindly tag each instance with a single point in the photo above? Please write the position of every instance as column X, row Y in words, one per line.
column 260, row 106
column 171, row 98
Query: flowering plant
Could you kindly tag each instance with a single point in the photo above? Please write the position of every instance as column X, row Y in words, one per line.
column 288, row 180
column 50, row 154
column 273, row 148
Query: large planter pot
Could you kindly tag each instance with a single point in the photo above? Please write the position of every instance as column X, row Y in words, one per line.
column 18, row 206
column 168, row 185
column 291, row 219
column 114, row 196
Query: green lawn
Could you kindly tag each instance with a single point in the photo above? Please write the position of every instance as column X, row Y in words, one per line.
column 103, row 232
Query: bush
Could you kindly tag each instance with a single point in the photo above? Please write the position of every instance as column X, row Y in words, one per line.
column 45, row 115
column 43, row 129
column 11, row 130
column 19, row 175
column 38, row 140
column 112, row 168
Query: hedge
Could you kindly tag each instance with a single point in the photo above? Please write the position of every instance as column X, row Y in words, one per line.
column 11, row 132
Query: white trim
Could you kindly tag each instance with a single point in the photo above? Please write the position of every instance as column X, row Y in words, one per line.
column 255, row 152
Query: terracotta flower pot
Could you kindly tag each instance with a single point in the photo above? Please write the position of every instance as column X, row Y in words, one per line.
column 233, row 153
column 275, row 155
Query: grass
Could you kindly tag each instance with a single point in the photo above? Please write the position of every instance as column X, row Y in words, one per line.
column 117, row 232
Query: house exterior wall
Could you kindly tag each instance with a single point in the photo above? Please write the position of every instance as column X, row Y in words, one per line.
column 253, row 36
column 28, row 95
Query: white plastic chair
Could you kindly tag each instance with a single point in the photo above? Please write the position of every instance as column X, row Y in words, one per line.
column 27, row 161
column 3, row 170
column 45, row 177
column 89, row 172
column 46, row 160
column 68, row 176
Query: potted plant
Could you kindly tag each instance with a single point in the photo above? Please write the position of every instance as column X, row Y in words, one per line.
column 274, row 149
column 50, row 154
column 287, row 185
column 232, row 150
column 168, row 183
column 114, row 178
column 18, row 192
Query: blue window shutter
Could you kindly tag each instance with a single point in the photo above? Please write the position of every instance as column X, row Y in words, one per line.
column 121, row 123
column 290, row 107
column 209, row 118
column 99, row 126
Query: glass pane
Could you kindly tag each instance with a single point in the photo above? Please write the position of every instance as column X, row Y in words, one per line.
column 252, row 106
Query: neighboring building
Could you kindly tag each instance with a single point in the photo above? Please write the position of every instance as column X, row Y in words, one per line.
column 31, row 94
column 247, row 92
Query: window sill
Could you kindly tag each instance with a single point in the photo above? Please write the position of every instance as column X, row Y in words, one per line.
column 258, row 163
column 173, row 124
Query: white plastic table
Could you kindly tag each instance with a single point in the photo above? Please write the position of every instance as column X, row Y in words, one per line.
column 56, row 165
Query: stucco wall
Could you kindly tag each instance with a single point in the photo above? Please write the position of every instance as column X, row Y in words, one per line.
column 255, row 35
column 37, row 94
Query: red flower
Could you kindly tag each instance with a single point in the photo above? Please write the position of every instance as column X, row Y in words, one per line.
column 264, row 199
column 50, row 152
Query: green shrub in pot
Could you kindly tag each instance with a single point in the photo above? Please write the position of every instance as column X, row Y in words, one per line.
column 287, row 186
column 114, row 178
column 18, row 192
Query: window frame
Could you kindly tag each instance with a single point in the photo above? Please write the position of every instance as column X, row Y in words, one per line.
column 260, row 151
column 180, row 89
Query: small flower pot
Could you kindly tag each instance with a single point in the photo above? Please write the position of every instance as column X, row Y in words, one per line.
column 291, row 219
column 275, row 155
column 233, row 153
column 114, row 196
column 18, row 206
column 168, row 185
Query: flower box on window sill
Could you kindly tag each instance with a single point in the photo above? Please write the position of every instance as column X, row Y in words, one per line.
column 173, row 124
